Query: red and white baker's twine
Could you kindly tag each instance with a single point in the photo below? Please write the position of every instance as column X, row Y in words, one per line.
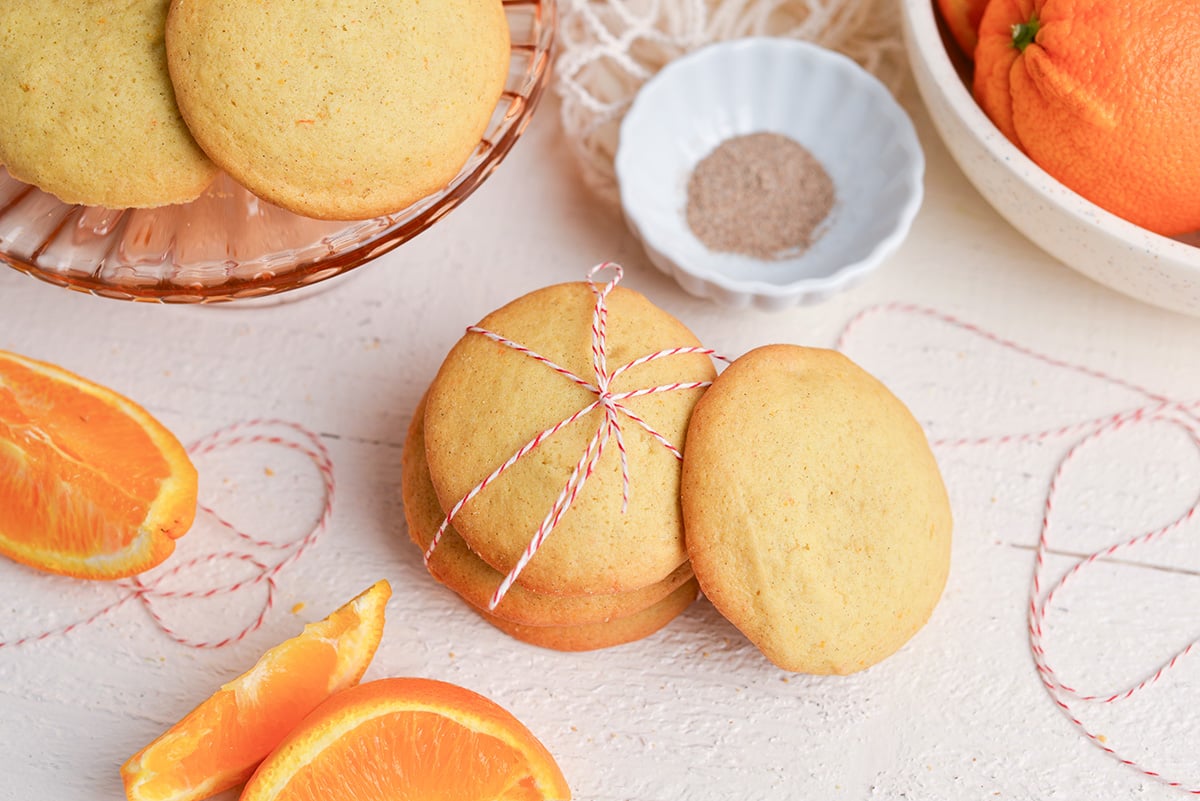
column 1156, row 409
column 609, row 429
column 274, row 433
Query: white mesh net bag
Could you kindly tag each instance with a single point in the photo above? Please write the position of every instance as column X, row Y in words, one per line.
column 609, row 48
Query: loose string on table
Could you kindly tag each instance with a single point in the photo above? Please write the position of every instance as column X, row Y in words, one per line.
column 1156, row 409
column 609, row 429
column 149, row 591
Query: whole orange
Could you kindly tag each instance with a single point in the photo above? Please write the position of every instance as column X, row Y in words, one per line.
column 1103, row 95
column 962, row 18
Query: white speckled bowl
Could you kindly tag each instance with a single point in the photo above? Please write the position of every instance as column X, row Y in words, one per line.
column 824, row 101
column 1152, row 268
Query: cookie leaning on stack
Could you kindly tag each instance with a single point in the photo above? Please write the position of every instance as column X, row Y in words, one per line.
column 817, row 519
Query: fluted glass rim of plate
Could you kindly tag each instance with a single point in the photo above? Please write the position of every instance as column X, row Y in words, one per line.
column 138, row 255
column 755, row 84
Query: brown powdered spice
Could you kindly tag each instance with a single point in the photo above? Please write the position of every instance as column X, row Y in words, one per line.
column 760, row 195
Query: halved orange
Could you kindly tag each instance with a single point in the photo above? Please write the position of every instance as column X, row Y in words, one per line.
column 409, row 738
column 90, row 484
column 219, row 743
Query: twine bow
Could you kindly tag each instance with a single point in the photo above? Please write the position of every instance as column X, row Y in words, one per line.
column 610, row 428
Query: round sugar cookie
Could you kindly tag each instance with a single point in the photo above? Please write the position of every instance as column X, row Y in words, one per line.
column 817, row 519
column 593, row 636
column 87, row 112
column 345, row 110
column 489, row 400
column 453, row 564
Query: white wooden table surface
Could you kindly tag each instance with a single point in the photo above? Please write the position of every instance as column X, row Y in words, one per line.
column 693, row 712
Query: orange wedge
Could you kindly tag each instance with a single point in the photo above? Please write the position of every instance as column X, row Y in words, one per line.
column 90, row 484
column 219, row 743
column 408, row 738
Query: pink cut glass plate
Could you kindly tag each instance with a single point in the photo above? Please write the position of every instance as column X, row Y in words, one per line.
column 230, row 245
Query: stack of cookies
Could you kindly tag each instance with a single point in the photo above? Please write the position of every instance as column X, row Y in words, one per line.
column 807, row 505
column 614, row 568
column 337, row 111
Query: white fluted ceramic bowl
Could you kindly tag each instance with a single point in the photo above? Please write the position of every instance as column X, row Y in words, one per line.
column 1159, row 270
column 844, row 116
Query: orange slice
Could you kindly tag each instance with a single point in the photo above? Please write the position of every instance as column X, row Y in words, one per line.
column 409, row 738
column 90, row 484
column 219, row 743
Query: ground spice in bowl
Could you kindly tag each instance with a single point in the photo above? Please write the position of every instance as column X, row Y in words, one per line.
column 762, row 195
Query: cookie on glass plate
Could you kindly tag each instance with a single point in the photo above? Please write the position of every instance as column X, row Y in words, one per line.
column 87, row 112
column 346, row 110
column 817, row 519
